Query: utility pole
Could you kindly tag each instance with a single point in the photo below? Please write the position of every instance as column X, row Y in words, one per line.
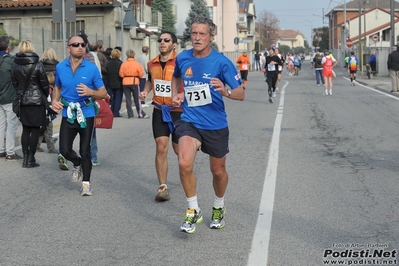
column 343, row 42
column 393, row 41
column 360, row 32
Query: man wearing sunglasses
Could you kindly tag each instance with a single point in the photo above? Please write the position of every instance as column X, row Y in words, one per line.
column 160, row 70
column 78, row 83
column 203, row 124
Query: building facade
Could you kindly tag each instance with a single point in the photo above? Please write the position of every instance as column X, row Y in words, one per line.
column 98, row 19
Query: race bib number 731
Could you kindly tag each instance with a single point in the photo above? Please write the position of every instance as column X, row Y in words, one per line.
column 198, row 95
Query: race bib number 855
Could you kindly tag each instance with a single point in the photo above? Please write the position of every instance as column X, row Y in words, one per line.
column 162, row 88
column 198, row 95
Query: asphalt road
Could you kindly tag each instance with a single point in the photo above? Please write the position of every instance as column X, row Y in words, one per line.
column 311, row 176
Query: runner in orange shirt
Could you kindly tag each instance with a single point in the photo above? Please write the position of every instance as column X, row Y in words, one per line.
column 243, row 63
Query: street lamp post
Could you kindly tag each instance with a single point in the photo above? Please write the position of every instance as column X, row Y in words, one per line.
column 311, row 32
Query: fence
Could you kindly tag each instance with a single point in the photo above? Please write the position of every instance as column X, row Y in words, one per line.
column 42, row 38
column 380, row 52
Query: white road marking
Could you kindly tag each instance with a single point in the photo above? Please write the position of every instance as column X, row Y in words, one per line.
column 260, row 243
column 372, row 89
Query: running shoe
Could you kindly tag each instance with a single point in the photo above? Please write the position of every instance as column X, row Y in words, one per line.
column 162, row 193
column 95, row 163
column 86, row 190
column 191, row 219
column 274, row 94
column 62, row 162
column 77, row 174
column 218, row 218
column 270, row 99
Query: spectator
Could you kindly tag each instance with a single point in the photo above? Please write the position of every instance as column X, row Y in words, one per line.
column 94, row 57
column 143, row 60
column 50, row 116
column 393, row 67
column 373, row 63
column 107, row 53
column 102, row 57
column 257, row 61
column 318, row 68
column 8, row 119
column 130, row 72
column 49, row 60
column 115, row 82
column 30, row 80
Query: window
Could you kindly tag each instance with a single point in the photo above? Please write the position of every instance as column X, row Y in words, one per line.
column 72, row 28
column 210, row 10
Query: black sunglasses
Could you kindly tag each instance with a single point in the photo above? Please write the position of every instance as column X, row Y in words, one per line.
column 76, row 44
column 164, row 39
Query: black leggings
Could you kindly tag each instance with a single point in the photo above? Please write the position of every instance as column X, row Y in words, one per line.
column 29, row 139
column 271, row 82
column 68, row 134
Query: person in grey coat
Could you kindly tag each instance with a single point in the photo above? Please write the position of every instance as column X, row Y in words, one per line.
column 8, row 119
column 393, row 67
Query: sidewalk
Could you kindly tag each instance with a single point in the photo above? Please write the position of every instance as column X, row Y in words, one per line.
column 382, row 83
column 57, row 121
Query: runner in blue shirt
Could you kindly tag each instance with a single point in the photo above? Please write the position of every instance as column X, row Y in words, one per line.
column 78, row 82
column 297, row 64
column 204, row 73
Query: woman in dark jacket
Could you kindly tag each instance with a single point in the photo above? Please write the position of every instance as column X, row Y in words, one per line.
column 49, row 60
column 30, row 80
column 115, row 82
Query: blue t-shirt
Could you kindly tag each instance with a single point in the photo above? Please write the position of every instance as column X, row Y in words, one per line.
column 297, row 60
column 87, row 73
column 207, row 107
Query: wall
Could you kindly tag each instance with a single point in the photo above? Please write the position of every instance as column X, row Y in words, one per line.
column 100, row 24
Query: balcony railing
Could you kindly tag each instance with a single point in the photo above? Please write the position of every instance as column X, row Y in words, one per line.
column 142, row 13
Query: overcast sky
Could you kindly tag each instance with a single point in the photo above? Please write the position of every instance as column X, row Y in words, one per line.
column 298, row 14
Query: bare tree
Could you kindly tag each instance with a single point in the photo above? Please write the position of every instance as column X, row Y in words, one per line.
column 268, row 26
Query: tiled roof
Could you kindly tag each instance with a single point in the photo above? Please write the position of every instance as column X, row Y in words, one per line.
column 288, row 34
column 354, row 5
column 36, row 3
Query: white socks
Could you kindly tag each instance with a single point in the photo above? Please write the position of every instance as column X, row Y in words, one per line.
column 192, row 202
column 218, row 202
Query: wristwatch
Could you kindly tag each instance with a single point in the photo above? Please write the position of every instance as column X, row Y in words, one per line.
column 228, row 92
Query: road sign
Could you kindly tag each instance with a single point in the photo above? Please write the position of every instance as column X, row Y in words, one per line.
column 69, row 10
column 375, row 37
column 349, row 43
